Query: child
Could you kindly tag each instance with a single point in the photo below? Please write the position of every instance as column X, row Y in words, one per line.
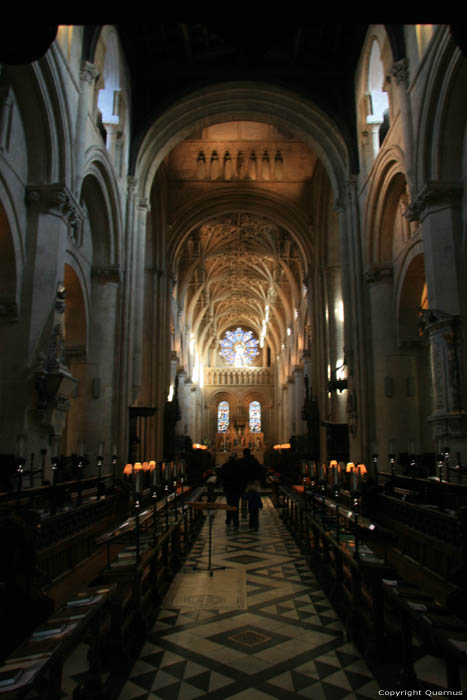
column 254, row 505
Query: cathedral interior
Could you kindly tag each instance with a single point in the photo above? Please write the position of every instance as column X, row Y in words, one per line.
column 215, row 239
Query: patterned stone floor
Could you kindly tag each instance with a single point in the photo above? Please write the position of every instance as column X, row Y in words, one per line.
column 288, row 643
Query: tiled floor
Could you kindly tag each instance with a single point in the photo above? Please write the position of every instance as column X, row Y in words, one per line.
column 288, row 643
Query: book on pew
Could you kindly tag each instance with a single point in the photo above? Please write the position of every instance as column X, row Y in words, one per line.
column 49, row 629
column 10, row 677
column 80, row 599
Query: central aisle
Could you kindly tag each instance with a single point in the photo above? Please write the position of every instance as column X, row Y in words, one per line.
column 262, row 628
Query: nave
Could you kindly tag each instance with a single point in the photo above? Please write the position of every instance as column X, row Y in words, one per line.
column 261, row 628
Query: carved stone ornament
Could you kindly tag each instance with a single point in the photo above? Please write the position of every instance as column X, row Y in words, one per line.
column 400, row 71
column 88, row 73
column 53, row 380
column 378, row 273
column 59, row 201
column 433, row 194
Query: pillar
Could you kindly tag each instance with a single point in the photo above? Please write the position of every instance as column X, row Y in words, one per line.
column 438, row 208
column 87, row 78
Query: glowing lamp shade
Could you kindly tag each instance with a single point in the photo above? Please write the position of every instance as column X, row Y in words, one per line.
column 127, row 469
column 152, row 465
column 349, row 468
column 361, row 468
column 138, row 466
column 145, row 466
column 333, row 463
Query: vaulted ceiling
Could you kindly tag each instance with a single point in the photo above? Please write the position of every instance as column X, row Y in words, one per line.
column 243, row 265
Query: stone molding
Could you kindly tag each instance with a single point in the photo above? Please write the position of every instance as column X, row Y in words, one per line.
column 107, row 274
column 57, row 200
column 433, row 195
column 379, row 273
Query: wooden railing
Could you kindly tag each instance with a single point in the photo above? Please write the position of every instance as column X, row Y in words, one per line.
column 380, row 608
column 116, row 611
column 37, row 664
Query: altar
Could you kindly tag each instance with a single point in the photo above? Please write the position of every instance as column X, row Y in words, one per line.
column 235, row 440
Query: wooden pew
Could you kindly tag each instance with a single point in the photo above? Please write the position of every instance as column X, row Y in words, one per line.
column 37, row 663
column 443, row 634
column 144, row 563
column 347, row 568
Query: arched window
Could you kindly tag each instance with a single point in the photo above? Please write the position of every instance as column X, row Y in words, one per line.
column 239, row 347
column 223, row 417
column 255, row 417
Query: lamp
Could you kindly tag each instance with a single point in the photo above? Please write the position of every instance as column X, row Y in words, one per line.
column 128, row 470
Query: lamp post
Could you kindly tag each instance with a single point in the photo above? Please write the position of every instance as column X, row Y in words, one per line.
column 114, row 465
column 100, row 459
column 43, row 454
column 53, row 507
column 80, row 477
column 153, row 472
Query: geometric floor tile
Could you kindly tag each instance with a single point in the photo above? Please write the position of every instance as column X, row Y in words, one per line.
column 287, row 642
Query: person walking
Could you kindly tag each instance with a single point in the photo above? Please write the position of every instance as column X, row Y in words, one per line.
column 255, row 504
column 232, row 485
column 251, row 468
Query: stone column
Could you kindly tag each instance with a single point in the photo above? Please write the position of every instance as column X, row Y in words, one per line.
column 126, row 331
column 298, row 379
column 335, row 338
column 355, row 330
column 87, row 77
column 182, row 425
column 290, row 417
column 383, row 344
column 438, row 208
column 138, row 292
column 285, row 433
column 100, row 419
column 448, row 418
column 400, row 72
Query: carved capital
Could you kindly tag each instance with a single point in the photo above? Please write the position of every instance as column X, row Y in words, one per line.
column 143, row 203
column 58, row 200
column 379, row 273
column 400, row 71
column 131, row 185
column 88, row 73
column 433, row 195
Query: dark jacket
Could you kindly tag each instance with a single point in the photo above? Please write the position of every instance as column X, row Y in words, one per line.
column 254, row 500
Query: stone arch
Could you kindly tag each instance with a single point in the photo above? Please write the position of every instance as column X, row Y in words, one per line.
column 242, row 199
column 409, row 293
column 101, row 175
column 244, row 101
column 441, row 146
column 100, row 248
column 75, row 314
column 76, row 341
column 46, row 119
column 387, row 189
column 10, row 262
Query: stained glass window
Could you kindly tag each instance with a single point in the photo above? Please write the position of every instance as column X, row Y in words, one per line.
column 239, row 347
column 223, row 411
column 255, row 417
